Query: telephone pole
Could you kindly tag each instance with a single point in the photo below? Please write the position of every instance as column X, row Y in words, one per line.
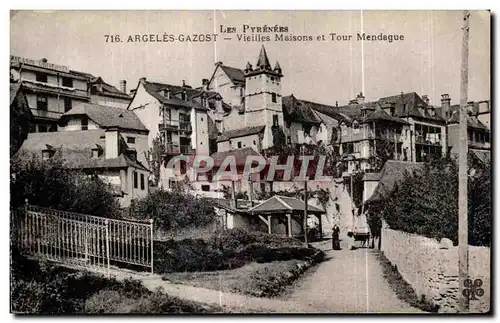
column 305, row 212
column 463, row 243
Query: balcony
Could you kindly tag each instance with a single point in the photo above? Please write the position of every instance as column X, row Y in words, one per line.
column 174, row 149
column 55, row 89
column 175, row 125
column 52, row 115
column 431, row 142
column 479, row 145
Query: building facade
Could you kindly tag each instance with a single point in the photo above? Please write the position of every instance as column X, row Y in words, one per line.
column 51, row 90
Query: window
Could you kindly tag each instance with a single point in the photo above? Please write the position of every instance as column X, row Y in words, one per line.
column 130, row 140
column 254, row 142
column 275, row 120
column 289, row 140
column 40, row 77
column 67, row 104
column 42, row 128
column 135, row 180
column 355, row 126
column 142, row 182
column 273, row 97
column 85, row 123
column 205, row 188
column 239, row 144
column 41, row 102
column 183, row 95
column 68, row 82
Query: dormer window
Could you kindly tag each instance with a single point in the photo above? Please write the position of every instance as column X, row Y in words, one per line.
column 183, row 95
column 166, row 93
column 48, row 152
column 355, row 126
column 97, row 151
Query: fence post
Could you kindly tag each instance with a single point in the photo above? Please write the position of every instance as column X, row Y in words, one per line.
column 106, row 222
column 152, row 254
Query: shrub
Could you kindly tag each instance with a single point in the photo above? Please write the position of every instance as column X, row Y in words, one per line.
column 426, row 203
column 231, row 249
column 174, row 210
column 49, row 184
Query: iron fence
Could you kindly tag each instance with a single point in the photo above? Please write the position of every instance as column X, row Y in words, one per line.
column 83, row 239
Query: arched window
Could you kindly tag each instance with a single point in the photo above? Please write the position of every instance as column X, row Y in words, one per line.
column 355, row 126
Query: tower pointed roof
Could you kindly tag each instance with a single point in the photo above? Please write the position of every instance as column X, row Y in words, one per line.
column 263, row 61
column 277, row 67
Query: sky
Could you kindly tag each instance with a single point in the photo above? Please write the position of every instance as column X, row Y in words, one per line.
column 427, row 61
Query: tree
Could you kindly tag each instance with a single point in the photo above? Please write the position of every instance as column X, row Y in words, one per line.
column 154, row 158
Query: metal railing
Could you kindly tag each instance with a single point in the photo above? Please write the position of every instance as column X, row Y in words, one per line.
column 82, row 239
column 175, row 125
column 178, row 149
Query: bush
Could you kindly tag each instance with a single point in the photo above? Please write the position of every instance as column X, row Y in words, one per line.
column 174, row 210
column 230, row 249
column 426, row 203
column 49, row 184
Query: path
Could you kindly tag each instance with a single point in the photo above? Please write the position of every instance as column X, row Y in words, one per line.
column 346, row 282
column 349, row 281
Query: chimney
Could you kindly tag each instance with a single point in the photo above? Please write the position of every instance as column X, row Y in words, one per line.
column 360, row 98
column 44, row 60
column 204, row 84
column 425, row 98
column 123, row 86
column 111, row 138
column 445, row 105
column 336, row 104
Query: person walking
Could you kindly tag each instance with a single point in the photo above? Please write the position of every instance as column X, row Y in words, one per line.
column 336, row 238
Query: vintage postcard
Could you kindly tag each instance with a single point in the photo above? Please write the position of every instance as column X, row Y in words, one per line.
column 209, row 161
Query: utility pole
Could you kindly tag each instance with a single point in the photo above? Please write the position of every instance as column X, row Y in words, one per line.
column 463, row 243
column 305, row 211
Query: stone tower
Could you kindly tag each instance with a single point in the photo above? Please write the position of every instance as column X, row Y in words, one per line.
column 263, row 105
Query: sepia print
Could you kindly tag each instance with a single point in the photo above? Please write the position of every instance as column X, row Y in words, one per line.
column 204, row 162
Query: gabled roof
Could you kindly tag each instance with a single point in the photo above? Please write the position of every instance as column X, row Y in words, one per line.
column 472, row 121
column 299, row 110
column 407, row 104
column 236, row 75
column 277, row 204
column 107, row 89
column 240, row 156
column 76, row 149
column 107, row 117
column 156, row 90
column 229, row 134
column 392, row 172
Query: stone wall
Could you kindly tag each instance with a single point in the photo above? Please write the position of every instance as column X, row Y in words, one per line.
column 432, row 269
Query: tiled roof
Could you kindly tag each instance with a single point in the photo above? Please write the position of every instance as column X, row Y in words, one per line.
column 235, row 74
column 155, row 89
column 299, row 110
column 483, row 155
column 406, row 105
column 240, row 156
column 283, row 204
column 472, row 121
column 392, row 172
column 380, row 114
column 107, row 89
column 226, row 135
column 107, row 117
column 76, row 149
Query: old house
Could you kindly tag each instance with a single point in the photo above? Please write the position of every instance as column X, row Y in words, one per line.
column 51, row 90
column 89, row 116
column 103, row 152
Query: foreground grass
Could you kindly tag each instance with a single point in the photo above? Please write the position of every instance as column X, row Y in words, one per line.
column 255, row 279
column 403, row 290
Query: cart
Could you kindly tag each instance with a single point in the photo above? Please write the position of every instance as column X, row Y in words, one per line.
column 361, row 236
